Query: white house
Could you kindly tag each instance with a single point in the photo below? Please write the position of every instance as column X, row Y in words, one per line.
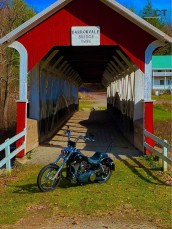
column 162, row 73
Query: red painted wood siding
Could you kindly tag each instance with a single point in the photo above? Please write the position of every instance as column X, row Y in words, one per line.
column 21, row 124
column 115, row 30
column 148, row 124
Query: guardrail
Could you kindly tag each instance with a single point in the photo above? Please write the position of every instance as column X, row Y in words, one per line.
column 165, row 148
column 8, row 154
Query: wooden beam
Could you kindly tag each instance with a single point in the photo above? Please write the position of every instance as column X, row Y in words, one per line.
column 48, row 59
column 119, row 62
column 62, row 65
column 57, row 62
column 114, row 65
column 125, row 59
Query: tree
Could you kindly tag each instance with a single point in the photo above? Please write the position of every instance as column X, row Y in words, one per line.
column 12, row 14
column 149, row 14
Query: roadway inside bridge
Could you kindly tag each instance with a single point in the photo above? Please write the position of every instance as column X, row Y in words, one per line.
column 99, row 123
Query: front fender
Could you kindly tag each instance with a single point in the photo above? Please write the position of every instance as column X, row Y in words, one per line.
column 109, row 162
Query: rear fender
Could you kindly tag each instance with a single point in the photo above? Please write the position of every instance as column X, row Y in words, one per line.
column 109, row 162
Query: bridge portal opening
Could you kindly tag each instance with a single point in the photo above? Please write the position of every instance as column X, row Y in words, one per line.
column 63, row 70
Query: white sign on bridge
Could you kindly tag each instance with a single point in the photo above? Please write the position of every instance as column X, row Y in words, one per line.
column 85, row 35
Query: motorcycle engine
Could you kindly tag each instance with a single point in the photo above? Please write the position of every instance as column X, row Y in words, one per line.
column 85, row 175
column 81, row 169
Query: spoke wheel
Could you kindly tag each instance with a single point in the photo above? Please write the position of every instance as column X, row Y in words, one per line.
column 45, row 179
column 105, row 175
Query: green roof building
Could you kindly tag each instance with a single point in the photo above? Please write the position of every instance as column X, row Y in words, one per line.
column 162, row 73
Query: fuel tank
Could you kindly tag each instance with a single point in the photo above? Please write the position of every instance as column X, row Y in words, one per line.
column 78, row 158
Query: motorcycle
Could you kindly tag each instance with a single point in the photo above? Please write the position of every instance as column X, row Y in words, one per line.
column 79, row 168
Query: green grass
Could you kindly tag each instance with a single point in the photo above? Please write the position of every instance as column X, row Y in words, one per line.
column 86, row 104
column 90, row 105
column 133, row 188
column 102, row 108
column 162, row 97
column 160, row 114
column 163, row 120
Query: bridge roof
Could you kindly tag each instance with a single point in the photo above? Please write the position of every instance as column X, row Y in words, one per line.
column 58, row 5
column 124, row 36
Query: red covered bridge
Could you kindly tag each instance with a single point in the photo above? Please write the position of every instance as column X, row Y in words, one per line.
column 94, row 41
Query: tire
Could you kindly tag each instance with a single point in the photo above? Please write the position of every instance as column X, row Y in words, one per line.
column 44, row 181
column 105, row 176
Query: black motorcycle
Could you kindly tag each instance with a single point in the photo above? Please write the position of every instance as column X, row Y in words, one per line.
column 78, row 169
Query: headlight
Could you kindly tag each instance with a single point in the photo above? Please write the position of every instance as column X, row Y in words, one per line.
column 64, row 152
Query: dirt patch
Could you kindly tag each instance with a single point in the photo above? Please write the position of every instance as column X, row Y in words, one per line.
column 37, row 218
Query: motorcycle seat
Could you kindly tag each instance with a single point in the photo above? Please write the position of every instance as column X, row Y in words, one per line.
column 97, row 157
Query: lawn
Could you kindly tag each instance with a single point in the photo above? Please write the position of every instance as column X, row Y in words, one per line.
column 86, row 104
column 90, row 105
column 163, row 120
column 162, row 97
column 161, row 114
column 135, row 192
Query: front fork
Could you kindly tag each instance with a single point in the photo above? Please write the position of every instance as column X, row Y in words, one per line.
column 65, row 158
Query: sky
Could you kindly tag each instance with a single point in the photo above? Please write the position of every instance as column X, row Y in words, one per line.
column 138, row 5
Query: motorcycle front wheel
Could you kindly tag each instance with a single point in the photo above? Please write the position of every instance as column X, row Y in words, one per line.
column 45, row 179
column 105, row 175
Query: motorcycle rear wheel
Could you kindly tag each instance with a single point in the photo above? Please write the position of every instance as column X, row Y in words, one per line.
column 105, row 176
column 44, row 180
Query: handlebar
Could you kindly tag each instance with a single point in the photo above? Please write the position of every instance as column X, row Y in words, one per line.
column 86, row 138
column 89, row 137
